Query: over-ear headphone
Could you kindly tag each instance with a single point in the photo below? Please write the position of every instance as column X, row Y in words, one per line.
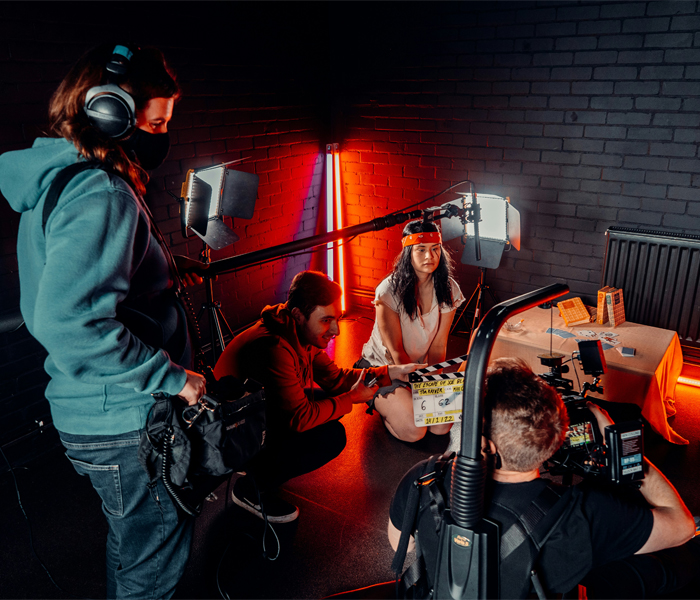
column 109, row 108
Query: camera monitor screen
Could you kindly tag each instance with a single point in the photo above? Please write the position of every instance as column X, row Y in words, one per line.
column 579, row 435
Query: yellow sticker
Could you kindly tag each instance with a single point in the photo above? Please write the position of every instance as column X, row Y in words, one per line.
column 436, row 420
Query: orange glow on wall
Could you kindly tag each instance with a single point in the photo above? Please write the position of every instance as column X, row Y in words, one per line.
column 334, row 217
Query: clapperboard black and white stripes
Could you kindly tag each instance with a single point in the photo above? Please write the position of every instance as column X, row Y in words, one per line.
column 425, row 374
column 437, row 397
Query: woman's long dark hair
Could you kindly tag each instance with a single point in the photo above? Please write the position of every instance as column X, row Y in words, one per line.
column 148, row 77
column 404, row 280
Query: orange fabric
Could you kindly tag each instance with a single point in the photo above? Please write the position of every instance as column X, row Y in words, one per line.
column 647, row 379
column 425, row 237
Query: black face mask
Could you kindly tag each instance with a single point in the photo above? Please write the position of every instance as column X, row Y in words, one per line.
column 149, row 148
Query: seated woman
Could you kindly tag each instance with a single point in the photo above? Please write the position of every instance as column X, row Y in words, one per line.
column 415, row 306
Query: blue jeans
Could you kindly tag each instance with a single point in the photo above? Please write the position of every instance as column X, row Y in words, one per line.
column 147, row 544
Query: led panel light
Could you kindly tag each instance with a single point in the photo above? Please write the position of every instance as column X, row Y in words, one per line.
column 499, row 226
column 211, row 193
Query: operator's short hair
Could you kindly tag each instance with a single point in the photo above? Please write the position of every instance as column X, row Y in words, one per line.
column 524, row 416
column 310, row 289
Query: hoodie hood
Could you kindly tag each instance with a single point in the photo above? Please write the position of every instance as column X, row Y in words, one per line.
column 278, row 320
column 26, row 174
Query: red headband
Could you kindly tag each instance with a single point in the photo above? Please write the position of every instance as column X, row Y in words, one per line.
column 425, row 237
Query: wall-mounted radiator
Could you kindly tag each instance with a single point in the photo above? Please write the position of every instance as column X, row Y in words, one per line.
column 659, row 274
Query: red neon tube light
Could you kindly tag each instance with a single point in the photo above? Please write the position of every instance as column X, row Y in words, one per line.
column 339, row 221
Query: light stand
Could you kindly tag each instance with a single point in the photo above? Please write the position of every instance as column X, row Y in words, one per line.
column 208, row 194
column 478, row 306
column 213, row 309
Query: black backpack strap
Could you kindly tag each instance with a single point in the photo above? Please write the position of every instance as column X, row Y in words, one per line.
column 56, row 189
column 411, row 514
column 66, row 174
column 58, row 185
column 433, row 473
column 524, row 527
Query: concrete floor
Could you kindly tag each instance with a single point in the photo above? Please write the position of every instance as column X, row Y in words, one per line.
column 338, row 543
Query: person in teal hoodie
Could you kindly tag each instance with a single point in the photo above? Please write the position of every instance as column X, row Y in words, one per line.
column 96, row 282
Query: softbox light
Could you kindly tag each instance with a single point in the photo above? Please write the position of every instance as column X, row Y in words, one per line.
column 499, row 226
column 210, row 193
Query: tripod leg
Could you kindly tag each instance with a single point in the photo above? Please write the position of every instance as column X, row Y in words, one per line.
column 216, row 333
column 221, row 317
column 479, row 300
column 464, row 308
column 477, row 310
column 493, row 296
column 214, row 325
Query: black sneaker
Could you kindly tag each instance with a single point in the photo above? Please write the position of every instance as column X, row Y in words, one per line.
column 276, row 509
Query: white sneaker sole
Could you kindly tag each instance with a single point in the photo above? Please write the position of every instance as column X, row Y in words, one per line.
column 255, row 510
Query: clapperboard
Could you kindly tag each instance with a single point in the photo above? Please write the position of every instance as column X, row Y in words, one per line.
column 437, row 398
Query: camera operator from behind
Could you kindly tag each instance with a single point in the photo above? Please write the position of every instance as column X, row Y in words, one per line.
column 616, row 542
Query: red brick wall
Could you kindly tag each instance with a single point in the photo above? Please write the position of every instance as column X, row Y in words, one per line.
column 585, row 114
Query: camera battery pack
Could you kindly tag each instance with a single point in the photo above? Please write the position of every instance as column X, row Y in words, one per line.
column 625, row 452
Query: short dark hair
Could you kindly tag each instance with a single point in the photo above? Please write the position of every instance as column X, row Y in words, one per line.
column 310, row 289
column 524, row 417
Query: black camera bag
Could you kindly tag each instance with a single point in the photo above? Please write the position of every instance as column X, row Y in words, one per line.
column 192, row 447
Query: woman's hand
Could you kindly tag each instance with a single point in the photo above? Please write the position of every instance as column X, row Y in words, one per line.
column 401, row 371
column 190, row 270
column 194, row 389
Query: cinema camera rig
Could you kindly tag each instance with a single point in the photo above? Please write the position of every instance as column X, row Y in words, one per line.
column 615, row 455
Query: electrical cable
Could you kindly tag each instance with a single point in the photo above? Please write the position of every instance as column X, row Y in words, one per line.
column 266, row 526
column 29, row 528
column 430, row 198
column 574, row 355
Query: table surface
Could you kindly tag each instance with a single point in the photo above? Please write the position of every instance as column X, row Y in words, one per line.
column 648, row 378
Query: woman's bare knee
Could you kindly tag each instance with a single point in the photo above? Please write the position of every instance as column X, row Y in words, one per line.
column 397, row 412
column 442, row 429
column 406, row 432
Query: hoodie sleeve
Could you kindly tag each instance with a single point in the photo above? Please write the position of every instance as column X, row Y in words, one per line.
column 95, row 240
column 284, row 385
column 337, row 381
